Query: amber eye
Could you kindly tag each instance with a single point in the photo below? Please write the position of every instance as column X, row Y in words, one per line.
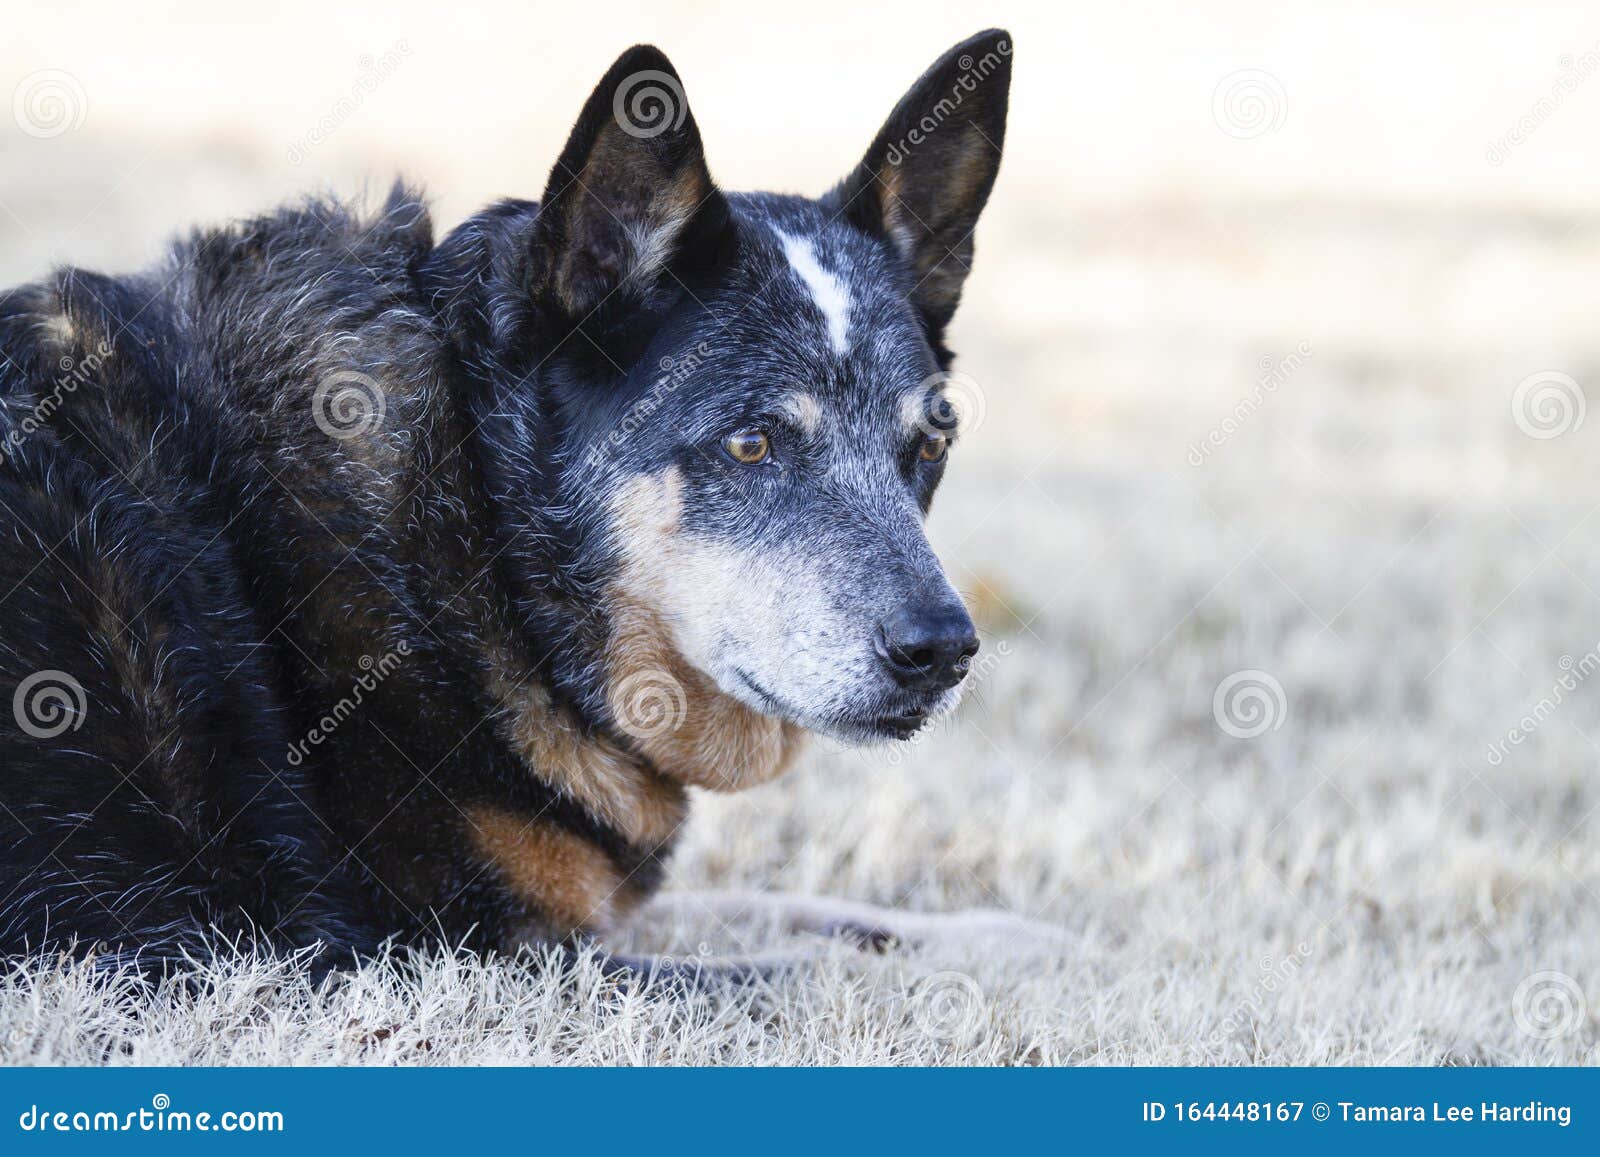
column 750, row 447
column 933, row 448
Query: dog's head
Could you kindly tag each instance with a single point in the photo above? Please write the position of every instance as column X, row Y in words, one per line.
column 758, row 392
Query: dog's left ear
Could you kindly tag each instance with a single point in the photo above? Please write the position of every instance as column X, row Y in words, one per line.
column 928, row 173
column 630, row 197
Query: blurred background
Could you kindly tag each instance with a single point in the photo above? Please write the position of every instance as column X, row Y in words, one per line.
column 1279, row 511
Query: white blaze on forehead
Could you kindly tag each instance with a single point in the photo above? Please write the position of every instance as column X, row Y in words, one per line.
column 827, row 290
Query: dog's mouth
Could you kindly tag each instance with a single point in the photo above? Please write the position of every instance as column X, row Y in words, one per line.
column 770, row 703
column 898, row 724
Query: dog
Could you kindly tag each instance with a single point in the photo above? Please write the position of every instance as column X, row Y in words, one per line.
column 360, row 588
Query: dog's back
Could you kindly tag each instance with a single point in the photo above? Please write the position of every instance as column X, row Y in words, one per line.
column 201, row 561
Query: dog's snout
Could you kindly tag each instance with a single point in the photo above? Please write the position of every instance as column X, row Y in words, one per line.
column 927, row 648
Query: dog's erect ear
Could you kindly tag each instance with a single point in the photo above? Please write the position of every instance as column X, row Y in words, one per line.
column 928, row 173
column 630, row 197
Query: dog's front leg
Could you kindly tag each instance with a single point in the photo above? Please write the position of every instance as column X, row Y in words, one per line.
column 870, row 925
column 697, row 972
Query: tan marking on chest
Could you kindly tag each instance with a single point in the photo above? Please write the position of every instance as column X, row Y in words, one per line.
column 713, row 741
column 572, row 883
column 609, row 782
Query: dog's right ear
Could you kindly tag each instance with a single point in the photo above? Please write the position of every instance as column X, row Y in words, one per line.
column 630, row 198
column 927, row 175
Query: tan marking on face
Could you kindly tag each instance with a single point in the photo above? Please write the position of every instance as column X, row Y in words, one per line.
column 569, row 880
column 711, row 739
column 804, row 410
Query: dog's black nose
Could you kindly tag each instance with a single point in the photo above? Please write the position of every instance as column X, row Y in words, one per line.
column 927, row 648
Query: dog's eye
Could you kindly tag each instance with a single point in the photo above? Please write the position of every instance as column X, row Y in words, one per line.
column 751, row 447
column 933, row 448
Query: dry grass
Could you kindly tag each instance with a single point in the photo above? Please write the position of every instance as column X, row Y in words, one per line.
column 1359, row 885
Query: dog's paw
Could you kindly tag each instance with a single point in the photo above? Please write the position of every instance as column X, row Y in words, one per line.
column 974, row 926
column 868, row 936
